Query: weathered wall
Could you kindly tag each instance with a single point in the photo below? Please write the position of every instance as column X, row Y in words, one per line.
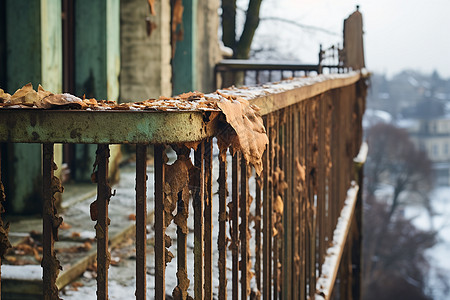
column 208, row 51
column 32, row 35
column 145, row 60
column 97, row 60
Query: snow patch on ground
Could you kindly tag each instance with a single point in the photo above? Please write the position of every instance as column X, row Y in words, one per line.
column 26, row 272
column 440, row 221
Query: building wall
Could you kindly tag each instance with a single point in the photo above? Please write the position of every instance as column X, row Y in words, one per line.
column 33, row 38
column 145, row 59
column 208, row 49
column 146, row 70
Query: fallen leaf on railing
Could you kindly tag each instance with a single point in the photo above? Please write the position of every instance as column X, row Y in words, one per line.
column 250, row 135
column 42, row 93
column 25, row 95
column 61, row 101
column 4, row 97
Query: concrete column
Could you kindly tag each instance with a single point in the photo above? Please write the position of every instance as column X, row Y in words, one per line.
column 207, row 39
column 145, row 50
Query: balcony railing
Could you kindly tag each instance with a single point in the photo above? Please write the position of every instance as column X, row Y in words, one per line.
column 247, row 71
column 293, row 230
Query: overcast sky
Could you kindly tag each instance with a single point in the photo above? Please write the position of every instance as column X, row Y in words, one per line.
column 399, row 34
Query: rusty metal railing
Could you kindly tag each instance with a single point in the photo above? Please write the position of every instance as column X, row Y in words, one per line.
column 247, row 71
column 281, row 224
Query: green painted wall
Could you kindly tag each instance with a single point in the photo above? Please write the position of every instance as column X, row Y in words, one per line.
column 184, row 76
column 97, row 64
column 32, row 51
column 33, row 54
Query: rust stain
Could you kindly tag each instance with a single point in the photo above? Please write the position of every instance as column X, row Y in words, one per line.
column 168, row 256
column 51, row 262
column 4, row 228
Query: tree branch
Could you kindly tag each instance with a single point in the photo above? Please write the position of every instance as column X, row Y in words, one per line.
column 251, row 23
column 303, row 26
column 229, row 23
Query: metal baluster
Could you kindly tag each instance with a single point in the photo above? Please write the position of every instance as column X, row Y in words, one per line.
column 180, row 291
column 51, row 223
column 258, row 180
column 275, row 194
column 141, row 220
column 303, row 199
column 103, row 195
column 267, row 215
column 288, row 199
column 245, row 284
column 223, row 218
column 160, row 260
column 198, row 221
column 235, row 225
column 208, row 220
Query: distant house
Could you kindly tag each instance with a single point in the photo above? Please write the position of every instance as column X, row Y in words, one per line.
column 433, row 136
column 128, row 50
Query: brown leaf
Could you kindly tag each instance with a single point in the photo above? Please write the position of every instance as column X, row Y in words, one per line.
column 43, row 93
column 64, row 226
column 26, row 95
column 251, row 138
column 4, row 96
column 75, row 235
column 132, row 217
column 151, row 3
column 94, row 211
column 177, row 15
column 61, row 101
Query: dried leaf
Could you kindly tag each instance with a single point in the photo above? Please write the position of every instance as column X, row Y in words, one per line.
column 65, row 226
column 93, row 209
column 43, row 93
column 61, row 101
column 151, row 3
column 177, row 14
column 249, row 129
column 26, row 95
column 75, row 235
column 4, row 97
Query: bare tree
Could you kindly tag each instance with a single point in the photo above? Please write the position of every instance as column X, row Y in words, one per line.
column 395, row 160
column 241, row 46
column 395, row 266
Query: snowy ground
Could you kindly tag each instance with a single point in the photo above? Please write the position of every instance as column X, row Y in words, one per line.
column 438, row 255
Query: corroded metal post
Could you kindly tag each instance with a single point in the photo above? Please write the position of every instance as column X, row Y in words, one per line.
column 235, row 224
column 4, row 242
column 51, row 223
column 160, row 229
column 223, row 218
column 141, row 220
column 198, row 221
column 208, row 220
column 258, row 180
column 244, row 237
column 103, row 196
